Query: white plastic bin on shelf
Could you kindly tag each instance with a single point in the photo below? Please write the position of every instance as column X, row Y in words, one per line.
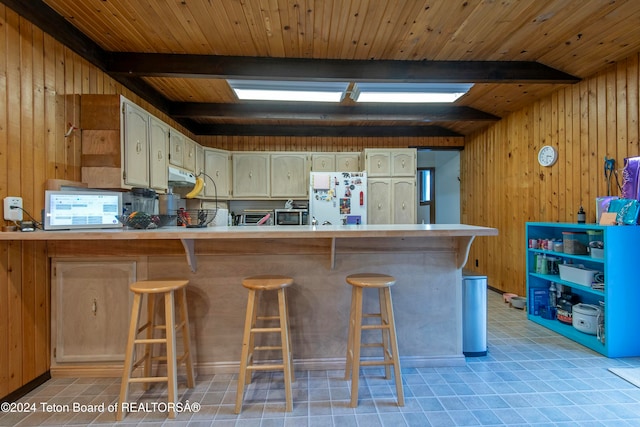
column 580, row 275
column 474, row 314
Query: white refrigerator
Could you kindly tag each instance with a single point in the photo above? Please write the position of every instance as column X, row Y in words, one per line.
column 338, row 198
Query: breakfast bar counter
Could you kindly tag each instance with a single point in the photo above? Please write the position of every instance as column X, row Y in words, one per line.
column 426, row 260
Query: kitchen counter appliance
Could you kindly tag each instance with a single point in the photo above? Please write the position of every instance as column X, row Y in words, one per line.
column 256, row 217
column 291, row 216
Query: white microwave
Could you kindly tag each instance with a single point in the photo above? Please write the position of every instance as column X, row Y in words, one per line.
column 291, row 217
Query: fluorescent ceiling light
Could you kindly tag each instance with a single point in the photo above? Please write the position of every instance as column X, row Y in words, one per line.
column 409, row 92
column 269, row 90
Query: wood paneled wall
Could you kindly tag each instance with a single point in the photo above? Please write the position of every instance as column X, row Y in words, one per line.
column 41, row 83
column 503, row 185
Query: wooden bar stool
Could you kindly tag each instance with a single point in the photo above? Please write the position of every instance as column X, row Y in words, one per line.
column 174, row 293
column 255, row 284
column 386, row 324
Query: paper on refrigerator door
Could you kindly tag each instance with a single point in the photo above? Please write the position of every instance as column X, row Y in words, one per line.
column 321, row 181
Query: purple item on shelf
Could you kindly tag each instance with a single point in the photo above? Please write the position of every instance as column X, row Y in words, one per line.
column 631, row 178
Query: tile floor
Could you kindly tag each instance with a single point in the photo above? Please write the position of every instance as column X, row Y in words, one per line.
column 531, row 376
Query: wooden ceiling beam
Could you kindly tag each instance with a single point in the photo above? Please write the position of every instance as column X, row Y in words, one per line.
column 262, row 68
column 329, row 112
column 344, row 131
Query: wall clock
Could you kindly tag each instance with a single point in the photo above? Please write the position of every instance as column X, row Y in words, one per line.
column 547, row 155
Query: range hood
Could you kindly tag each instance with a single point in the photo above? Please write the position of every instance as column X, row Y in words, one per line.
column 179, row 177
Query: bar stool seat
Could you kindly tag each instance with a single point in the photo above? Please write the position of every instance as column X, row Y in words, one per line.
column 386, row 324
column 174, row 294
column 256, row 285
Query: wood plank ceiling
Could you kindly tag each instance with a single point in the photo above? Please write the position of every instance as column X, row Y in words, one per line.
column 177, row 54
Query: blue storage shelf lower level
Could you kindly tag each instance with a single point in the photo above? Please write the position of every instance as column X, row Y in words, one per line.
column 590, row 341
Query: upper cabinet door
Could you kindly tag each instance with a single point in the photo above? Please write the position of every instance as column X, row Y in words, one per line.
column 348, row 162
column 377, row 163
column 217, row 167
column 177, row 145
column 135, row 132
column 251, row 175
column 189, row 155
column 403, row 162
column 289, row 175
column 323, row 162
column 158, row 153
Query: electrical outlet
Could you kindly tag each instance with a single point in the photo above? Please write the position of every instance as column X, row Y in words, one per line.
column 14, row 214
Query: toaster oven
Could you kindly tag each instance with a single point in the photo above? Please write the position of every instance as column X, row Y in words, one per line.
column 291, row 216
column 256, row 217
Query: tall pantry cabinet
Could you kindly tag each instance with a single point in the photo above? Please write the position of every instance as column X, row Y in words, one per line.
column 391, row 185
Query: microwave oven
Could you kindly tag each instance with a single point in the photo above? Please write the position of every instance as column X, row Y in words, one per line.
column 291, row 216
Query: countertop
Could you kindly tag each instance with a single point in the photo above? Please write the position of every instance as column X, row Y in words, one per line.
column 260, row 232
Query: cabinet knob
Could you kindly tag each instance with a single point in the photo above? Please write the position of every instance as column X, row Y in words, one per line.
column 217, row 174
column 402, row 205
column 379, row 164
column 250, row 175
column 138, row 146
column 159, row 154
column 289, row 175
column 323, row 163
column 347, row 163
column 379, row 206
column 403, row 163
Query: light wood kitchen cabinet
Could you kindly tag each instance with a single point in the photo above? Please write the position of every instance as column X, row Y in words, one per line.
column 199, row 159
column 189, row 159
column 251, row 175
column 392, row 191
column 289, row 175
column 335, row 162
column 177, row 145
column 323, row 162
column 403, row 200
column 404, row 162
column 348, row 162
column 391, row 201
column 183, row 151
column 136, row 145
column 390, row 162
column 90, row 309
column 217, row 165
column 115, row 142
column 158, row 153
column 123, row 146
column 379, row 201
column 377, row 162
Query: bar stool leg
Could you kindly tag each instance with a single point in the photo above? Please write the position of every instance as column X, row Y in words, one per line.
column 384, row 331
column 148, row 347
column 181, row 300
column 246, row 338
column 352, row 311
column 394, row 347
column 128, row 358
column 172, row 380
column 286, row 348
column 357, row 337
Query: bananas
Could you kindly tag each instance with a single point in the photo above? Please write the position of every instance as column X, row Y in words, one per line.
column 197, row 188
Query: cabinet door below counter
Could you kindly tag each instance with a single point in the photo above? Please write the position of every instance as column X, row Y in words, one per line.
column 90, row 309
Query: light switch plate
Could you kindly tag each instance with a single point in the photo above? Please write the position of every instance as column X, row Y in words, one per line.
column 12, row 214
